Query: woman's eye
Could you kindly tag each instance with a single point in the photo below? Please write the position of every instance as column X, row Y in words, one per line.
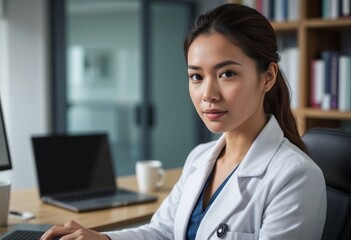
column 227, row 74
column 195, row 77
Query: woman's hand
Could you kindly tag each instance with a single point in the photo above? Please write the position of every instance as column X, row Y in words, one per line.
column 73, row 230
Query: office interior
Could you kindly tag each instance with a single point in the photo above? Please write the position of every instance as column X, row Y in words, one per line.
column 109, row 47
column 115, row 66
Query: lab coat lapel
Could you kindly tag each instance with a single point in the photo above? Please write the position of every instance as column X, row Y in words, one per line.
column 193, row 187
column 222, row 208
column 254, row 164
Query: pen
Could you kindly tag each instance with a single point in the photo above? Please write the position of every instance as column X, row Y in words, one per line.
column 15, row 213
column 22, row 215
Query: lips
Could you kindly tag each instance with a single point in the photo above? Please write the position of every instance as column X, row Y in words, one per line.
column 214, row 114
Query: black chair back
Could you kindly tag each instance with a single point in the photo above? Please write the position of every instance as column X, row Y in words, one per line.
column 331, row 150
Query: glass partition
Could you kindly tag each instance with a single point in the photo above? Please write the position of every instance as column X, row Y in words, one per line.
column 118, row 67
column 104, row 73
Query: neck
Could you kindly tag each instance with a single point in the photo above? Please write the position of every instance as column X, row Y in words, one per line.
column 238, row 142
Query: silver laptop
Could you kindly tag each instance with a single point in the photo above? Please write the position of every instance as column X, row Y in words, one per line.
column 76, row 172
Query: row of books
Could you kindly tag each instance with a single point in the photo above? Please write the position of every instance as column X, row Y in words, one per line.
column 274, row 10
column 331, row 82
column 333, row 9
column 289, row 10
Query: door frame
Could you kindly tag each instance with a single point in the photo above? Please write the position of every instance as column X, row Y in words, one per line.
column 58, row 72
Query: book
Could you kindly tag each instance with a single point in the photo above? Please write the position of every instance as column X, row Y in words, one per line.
column 259, row 6
column 249, row 3
column 334, row 80
column 313, row 100
column 344, row 83
column 345, row 7
column 334, row 9
column 280, row 10
column 234, row 1
column 331, row 79
column 289, row 65
column 317, row 82
column 267, row 9
column 293, row 10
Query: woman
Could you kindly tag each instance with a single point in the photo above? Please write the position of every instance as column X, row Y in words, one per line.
column 256, row 181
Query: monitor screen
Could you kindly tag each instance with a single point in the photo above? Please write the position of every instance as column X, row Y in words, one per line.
column 5, row 161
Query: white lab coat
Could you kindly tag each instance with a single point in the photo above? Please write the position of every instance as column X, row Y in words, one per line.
column 277, row 192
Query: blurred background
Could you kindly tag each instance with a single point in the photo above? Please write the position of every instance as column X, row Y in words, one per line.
column 83, row 66
column 117, row 66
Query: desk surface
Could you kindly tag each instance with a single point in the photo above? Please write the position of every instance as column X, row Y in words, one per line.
column 101, row 220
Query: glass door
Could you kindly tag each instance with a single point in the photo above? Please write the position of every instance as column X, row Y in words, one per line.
column 118, row 67
column 103, row 83
column 174, row 134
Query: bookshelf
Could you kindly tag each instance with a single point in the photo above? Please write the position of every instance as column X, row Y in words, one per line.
column 313, row 33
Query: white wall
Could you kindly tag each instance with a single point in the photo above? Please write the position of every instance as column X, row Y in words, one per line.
column 24, row 82
column 3, row 60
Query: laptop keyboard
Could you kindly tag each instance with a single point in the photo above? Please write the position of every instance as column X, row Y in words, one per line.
column 26, row 235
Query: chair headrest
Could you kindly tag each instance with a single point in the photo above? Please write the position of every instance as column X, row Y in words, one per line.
column 331, row 150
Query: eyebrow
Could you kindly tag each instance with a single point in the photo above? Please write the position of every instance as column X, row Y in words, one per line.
column 217, row 66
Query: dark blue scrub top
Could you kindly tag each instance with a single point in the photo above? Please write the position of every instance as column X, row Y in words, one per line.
column 199, row 212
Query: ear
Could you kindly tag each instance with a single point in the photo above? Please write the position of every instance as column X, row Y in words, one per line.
column 270, row 76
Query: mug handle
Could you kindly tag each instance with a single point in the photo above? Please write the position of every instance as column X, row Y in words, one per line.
column 162, row 180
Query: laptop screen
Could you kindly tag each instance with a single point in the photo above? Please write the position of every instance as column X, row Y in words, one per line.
column 71, row 163
column 5, row 160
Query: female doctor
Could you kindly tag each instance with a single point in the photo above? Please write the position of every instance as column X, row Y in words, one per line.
column 256, row 181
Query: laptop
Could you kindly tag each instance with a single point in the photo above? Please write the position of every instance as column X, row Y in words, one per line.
column 76, row 172
column 26, row 232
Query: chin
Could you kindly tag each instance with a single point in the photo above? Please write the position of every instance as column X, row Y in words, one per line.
column 215, row 129
column 217, row 132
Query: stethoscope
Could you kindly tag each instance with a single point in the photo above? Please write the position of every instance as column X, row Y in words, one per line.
column 222, row 230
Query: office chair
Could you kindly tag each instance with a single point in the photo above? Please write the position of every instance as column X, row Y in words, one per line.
column 331, row 150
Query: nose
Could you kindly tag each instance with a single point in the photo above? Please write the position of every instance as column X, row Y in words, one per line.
column 211, row 91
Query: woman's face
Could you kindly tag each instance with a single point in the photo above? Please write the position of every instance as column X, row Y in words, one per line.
column 224, row 84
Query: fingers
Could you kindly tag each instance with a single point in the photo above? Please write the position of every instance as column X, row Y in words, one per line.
column 51, row 233
column 60, row 230
column 85, row 234
column 72, row 230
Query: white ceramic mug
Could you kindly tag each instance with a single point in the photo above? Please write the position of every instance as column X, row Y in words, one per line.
column 4, row 202
column 150, row 175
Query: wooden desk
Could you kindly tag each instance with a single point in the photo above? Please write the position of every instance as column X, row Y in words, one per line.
column 101, row 220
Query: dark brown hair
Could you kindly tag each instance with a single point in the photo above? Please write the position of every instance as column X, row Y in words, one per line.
column 252, row 32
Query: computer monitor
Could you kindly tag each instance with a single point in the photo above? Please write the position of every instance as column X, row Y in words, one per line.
column 5, row 160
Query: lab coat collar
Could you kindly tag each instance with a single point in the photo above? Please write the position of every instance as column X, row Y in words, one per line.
column 254, row 164
column 264, row 146
column 210, row 155
column 262, row 150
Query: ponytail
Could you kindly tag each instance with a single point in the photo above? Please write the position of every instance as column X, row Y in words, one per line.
column 277, row 103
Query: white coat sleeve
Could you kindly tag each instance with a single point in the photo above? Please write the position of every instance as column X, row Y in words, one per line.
column 297, row 207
